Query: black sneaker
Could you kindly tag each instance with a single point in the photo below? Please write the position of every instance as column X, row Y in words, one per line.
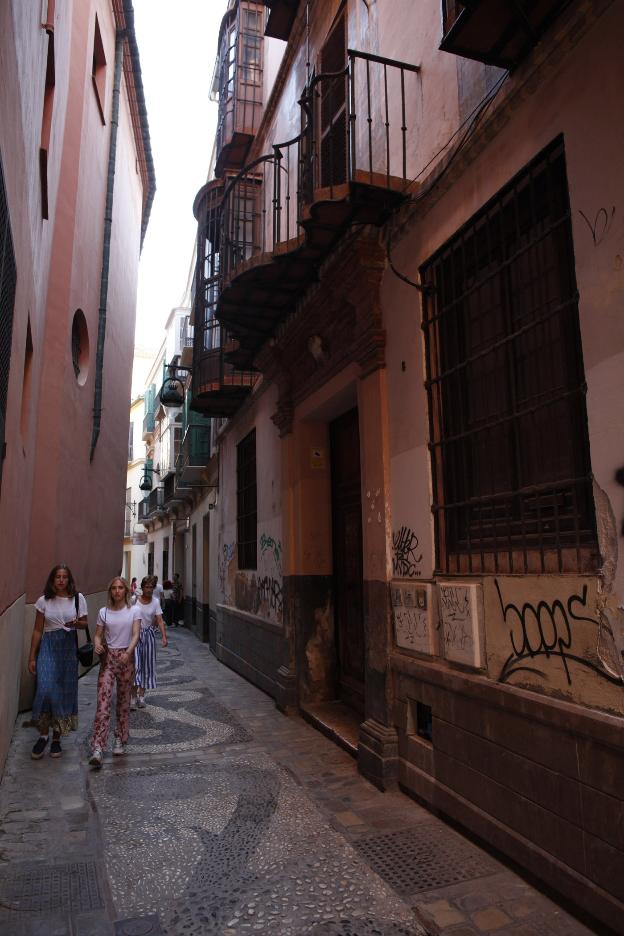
column 39, row 748
column 55, row 748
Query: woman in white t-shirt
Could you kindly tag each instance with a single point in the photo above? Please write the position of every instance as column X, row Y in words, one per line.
column 116, row 636
column 53, row 659
column 150, row 611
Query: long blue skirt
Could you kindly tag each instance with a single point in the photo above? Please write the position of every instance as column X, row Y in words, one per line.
column 56, row 699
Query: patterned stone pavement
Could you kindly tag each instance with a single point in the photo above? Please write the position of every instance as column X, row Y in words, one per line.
column 226, row 817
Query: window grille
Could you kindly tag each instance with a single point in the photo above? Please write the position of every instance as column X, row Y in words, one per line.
column 508, row 423
column 247, row 502
column 8, row 280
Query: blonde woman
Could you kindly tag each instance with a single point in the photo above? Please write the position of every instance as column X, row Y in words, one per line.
column 116, row 636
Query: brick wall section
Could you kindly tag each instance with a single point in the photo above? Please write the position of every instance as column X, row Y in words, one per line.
column 540, row 780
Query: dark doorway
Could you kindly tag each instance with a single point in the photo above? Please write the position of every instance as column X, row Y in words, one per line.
column 347, row 552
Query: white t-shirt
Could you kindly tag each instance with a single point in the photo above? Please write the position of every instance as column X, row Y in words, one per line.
column 117, row 626
column 147, row 612
column 158, row 591
column 58, row 612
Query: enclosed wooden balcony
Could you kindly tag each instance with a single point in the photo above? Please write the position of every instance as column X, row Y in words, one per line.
column 497, row 32
column 238, row 82
column 284, row 212
column 219, row 387
column 194, row 454
column 282, row 15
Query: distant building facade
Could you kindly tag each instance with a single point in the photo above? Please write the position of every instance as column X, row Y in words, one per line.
column 76, row 186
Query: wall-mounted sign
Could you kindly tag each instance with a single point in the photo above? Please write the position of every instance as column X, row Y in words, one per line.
column 139, row 539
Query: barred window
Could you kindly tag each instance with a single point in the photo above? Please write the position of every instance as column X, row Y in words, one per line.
column 247, row 502
column 506, row 385
column 8, row 280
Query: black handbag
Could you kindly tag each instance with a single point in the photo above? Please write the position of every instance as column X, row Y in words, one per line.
column 84, row 651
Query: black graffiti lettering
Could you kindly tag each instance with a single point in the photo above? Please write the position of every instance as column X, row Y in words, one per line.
column 599, row 227
column 545, row 630
column 270, row 592
column 405, row 562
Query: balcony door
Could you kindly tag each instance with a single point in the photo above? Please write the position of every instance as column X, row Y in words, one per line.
column 347, row 554
column 332, row 110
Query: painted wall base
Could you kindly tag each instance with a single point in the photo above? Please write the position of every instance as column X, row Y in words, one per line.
column 538, row 779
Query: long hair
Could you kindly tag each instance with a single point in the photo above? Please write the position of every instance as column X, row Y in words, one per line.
column 48, row 591
column 127, row 592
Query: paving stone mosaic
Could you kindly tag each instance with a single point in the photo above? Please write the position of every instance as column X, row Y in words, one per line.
column 424, row 857
column 225, row 817
column 37, row 887
column 238, row 848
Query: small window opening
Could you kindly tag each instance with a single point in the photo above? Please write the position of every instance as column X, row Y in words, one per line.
column 98, row 70
column 46, row 125
column 25, row 413
column 80, row 347
column 424, row 721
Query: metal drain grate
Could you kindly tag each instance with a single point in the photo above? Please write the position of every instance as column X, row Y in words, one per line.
column 39, row 888
column 423, row 858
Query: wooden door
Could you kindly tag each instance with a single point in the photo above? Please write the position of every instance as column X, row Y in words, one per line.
column 347, row 552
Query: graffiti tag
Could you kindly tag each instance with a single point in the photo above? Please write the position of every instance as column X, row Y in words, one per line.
column 405, row 560
column 270, row 592
column 545, row 630
column 273, row 546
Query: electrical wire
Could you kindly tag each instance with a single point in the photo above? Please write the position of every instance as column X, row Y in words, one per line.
column 472, row 121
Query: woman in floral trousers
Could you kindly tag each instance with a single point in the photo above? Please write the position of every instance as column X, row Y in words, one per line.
column 116, row 636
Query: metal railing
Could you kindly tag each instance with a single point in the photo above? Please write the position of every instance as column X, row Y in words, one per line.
column 357, row 131
column 156, row 500
column 186, row 334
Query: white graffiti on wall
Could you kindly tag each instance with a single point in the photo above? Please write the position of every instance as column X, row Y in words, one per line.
column 411, row 610
column 461, row 623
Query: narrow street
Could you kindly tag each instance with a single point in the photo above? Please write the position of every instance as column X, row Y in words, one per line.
column 227, row 817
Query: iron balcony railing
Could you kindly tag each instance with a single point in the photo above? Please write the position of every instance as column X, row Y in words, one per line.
column 186, row 335
column 156, row 500
column 144, row 509
column 218, row 386
column 359, row 129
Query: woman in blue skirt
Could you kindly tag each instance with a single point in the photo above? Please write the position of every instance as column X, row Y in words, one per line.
column 149, row 610
column 53, row 659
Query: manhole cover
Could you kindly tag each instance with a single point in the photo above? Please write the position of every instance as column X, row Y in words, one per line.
column 423, row 858
column 38, row 888
column 362, row 928
column 139, row 926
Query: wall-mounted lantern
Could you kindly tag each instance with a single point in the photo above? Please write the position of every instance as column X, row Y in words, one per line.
column 172, row 391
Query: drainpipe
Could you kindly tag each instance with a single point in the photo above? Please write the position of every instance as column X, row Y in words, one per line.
column 108, row 224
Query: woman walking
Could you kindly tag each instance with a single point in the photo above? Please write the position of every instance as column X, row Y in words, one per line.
column 149, row 610
column 53, row 659
column 116, row 636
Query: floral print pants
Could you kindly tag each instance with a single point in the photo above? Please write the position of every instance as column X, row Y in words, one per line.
column 113, row 670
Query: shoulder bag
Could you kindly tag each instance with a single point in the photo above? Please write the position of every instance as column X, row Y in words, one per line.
column 84, row 651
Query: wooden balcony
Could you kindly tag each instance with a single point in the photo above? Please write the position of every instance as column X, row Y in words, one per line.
column 284, row 212
column 194, row 454
column 219, row 387
column 282, row 15
column 497, row 32
column 239, row 83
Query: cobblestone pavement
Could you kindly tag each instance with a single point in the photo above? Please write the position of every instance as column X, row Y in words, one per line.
column 227, row 817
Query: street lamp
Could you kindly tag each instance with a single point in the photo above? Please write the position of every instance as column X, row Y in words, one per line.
column 146, row 483
column 172, row 391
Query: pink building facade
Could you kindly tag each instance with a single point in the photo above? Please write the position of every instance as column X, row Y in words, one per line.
column 77, row 187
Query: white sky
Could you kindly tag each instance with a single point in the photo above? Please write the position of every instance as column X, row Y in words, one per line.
column 177, row 45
